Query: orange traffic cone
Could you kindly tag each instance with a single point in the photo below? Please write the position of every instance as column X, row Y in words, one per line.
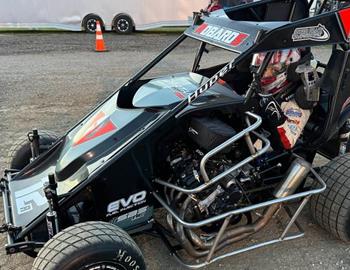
column 100, row 44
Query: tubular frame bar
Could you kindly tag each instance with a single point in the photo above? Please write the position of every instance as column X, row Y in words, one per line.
column 236, row 252
column 283, row 237
column 227, row 143
column 244, row 209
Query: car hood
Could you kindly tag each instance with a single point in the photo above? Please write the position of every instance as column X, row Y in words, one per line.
column 168, row 90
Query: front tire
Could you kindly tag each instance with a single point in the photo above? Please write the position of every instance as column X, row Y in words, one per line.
column 331, row 209
column 90, row 246
column 20, row 153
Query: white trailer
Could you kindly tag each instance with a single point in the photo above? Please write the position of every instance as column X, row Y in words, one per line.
column 76, row 15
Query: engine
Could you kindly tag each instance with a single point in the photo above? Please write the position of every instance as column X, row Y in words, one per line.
column 202, row 217
column 184, row 162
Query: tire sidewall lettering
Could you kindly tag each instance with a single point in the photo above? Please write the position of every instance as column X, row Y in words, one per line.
column 127, row 259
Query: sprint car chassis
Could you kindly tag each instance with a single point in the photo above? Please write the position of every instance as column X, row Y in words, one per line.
column 81, row 166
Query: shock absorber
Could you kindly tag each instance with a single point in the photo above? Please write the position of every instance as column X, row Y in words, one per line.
column 34, row 140
column 50, row 190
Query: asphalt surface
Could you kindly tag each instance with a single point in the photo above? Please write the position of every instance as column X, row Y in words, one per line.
column 50, row 80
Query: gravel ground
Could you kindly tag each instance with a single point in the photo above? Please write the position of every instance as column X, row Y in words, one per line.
column 50, row 80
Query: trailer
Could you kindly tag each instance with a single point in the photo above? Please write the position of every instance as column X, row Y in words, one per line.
column 82, row 15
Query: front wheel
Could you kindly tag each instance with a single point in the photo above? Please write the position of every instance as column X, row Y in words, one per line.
column 20, row 152
column 90, row 246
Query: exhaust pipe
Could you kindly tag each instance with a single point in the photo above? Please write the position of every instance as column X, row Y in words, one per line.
column 295, row 175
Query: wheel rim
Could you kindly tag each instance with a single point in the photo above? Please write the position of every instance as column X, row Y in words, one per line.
column 91, row 25
column 123, row 25
column 103, row 266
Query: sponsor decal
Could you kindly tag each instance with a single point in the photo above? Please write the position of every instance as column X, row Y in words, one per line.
column 294, row 121
column 221, row 34
column 131, row 216
column 210, row 82
column 273, row 108
column 30, row 197
column 126, row 203
column 314, row 33
column 293, row 129
column 292, row 112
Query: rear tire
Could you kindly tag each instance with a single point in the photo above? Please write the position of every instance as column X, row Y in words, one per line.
column 123, row 24
column 89, row 246
column 20, row 153
column 331, row 209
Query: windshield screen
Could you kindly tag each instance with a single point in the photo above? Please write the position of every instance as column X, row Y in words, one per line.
column 182, row 59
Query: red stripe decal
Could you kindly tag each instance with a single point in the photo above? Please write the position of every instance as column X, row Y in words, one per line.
column 179, row 95
column 221, row 81
column 345, row 19
column 96, row 132
column 239, row 39
column 201, row 28
column 284, row 138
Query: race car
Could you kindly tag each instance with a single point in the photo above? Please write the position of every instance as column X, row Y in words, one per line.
column 195, row 145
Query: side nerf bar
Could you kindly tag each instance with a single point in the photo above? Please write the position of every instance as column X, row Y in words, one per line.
column 7, row 207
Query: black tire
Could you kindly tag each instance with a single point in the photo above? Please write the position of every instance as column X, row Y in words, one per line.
column 20, row 153
column 123, row 24
column 331, row 209
column 89, row 23
column 90, row 245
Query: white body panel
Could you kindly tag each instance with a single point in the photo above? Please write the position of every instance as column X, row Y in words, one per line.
column 68, row 14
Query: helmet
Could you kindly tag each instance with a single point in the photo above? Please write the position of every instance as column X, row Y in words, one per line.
column 274, row 79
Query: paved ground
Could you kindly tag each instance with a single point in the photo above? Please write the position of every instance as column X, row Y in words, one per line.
column 50, row 80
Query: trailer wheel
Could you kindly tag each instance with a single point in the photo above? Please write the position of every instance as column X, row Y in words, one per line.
column 331, row 209
column 89, row 246
column 89, row 23
column 123, row 24
column 20, row 153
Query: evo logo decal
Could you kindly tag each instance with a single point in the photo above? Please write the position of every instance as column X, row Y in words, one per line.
column 126, row 203
column 221, row 34
column 314, row 33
